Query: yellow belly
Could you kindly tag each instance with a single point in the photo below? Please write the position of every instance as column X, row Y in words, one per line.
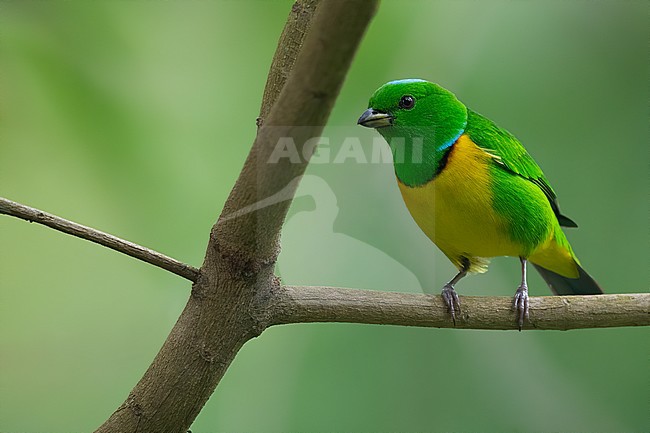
column 455, row 209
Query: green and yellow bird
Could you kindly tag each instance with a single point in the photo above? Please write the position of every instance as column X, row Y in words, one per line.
column 473, row 189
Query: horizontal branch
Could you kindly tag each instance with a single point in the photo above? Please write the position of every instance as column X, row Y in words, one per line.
column 139, row 252
column 304, row 304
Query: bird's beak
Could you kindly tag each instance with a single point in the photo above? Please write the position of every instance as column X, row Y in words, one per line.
column 372, row 118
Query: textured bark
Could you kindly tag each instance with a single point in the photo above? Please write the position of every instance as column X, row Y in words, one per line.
column 292, row 304
column 238, row 267
column 235, row 295
column 291, row 39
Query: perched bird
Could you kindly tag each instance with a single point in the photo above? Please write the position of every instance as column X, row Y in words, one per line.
column 473, row 189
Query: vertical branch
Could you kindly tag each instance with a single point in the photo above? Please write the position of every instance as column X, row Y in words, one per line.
column 238, row 267
column 291, row 39
column 299, row 113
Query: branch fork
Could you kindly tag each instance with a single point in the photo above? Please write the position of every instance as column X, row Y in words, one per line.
column 235, row 295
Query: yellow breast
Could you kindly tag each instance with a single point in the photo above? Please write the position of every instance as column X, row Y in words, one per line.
column 455, row 209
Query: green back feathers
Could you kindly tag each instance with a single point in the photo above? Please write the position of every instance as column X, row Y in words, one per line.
column 511, row 155
column 505, row 148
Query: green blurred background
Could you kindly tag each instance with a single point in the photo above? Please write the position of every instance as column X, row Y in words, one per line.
column 136, row 117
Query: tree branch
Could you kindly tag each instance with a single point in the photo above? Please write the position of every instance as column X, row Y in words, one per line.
column 235, row 295
column 139, row 252
column 289, row 43
column 300, row 113
column 300, row 304
column 238, row 266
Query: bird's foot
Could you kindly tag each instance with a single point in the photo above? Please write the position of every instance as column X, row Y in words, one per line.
column 450, row 297
column 520, row 303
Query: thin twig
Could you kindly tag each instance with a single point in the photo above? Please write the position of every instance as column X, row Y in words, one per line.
column 302, row 304
column 139, row 252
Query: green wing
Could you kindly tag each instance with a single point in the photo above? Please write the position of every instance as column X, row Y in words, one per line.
column 511, row 155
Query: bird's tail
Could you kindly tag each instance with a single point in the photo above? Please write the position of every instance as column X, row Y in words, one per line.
column 583, row 285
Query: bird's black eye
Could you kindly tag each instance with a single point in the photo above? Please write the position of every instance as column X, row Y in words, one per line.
column 407, row 102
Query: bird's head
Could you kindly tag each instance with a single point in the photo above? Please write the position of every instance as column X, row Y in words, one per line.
column 415, row 107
